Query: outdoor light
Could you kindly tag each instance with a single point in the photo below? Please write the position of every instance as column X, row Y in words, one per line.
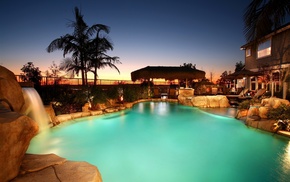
column 164, row 96
column 90, row 105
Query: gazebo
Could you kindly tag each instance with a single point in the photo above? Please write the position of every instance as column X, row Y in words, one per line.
column 167, row 73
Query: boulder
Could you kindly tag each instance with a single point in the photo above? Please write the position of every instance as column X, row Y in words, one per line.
column 86, row 107
column 77, row 171
column 84, row 114
column 76, row 115
column 50, row 111
column 50, row 167
column 16, row 131
column 242, row 113
column 128, row 104
column 63, row 118
column 11, row 95
column 253, row 111
column 110, row 110
column 263, row 112
column 5, row 73
column 186, row 92
column 185, row 100
column 266, row 125
column 199, row 101
column 224, row 101
column 93, row 113
column 212, row 101
column 274, row 102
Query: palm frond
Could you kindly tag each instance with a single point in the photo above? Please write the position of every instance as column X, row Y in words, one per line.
column 263, row 16
column 97, row 28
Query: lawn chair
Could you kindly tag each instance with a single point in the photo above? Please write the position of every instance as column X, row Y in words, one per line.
column 259, row 93
column 241, row 94
column 235, row 99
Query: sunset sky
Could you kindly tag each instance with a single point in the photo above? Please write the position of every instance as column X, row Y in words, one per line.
column 144, row 32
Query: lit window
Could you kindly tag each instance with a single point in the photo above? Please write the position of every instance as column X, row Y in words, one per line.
column 264, row 49
column 248, row 52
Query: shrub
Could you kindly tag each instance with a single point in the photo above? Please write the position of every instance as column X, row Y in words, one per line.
column 245, row 104
column 98, row 96
column 113, row 92
column 69, row 100
column 281, row 112
column 131, row 94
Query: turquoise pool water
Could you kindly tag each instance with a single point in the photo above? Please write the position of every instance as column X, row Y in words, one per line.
column 167, row 142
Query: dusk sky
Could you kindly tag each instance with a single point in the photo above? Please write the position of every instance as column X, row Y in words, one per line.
column 144, row 33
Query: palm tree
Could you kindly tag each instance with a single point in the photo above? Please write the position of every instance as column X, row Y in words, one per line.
column 71, row 66
column 98, row 48
column 73, row 43
column 87, row 54
column 263, row 16
column 78, row 43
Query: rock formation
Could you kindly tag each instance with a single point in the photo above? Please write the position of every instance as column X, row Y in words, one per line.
column 54, row 168
column 16, row 131
column 11, row 95
column 211, row 101
column 256, row 115
column 274, row 102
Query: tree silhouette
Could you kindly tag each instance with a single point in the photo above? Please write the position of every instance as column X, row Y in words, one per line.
column 79, row 45
column 31, row 73
column 263, row 16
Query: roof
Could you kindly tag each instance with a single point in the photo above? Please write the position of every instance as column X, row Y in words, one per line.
column 242, row 73
column 167, row 72
column 274, row 32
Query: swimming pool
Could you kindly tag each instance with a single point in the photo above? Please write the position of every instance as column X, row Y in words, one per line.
column 161, row 141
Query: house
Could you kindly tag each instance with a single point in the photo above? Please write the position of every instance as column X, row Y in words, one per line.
column 270, row 56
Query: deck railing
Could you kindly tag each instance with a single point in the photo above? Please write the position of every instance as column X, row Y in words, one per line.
column 45, row 80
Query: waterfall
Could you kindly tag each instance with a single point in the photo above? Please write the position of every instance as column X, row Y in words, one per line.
column 35, row 108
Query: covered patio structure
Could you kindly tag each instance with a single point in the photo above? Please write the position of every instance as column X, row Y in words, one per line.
column 242, row 79
column 168, row 73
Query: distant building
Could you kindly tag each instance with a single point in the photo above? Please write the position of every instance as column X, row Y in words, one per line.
column 270, row 56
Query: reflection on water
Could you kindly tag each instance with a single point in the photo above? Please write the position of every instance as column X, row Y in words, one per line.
column 286, row 160
column 229, row 112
